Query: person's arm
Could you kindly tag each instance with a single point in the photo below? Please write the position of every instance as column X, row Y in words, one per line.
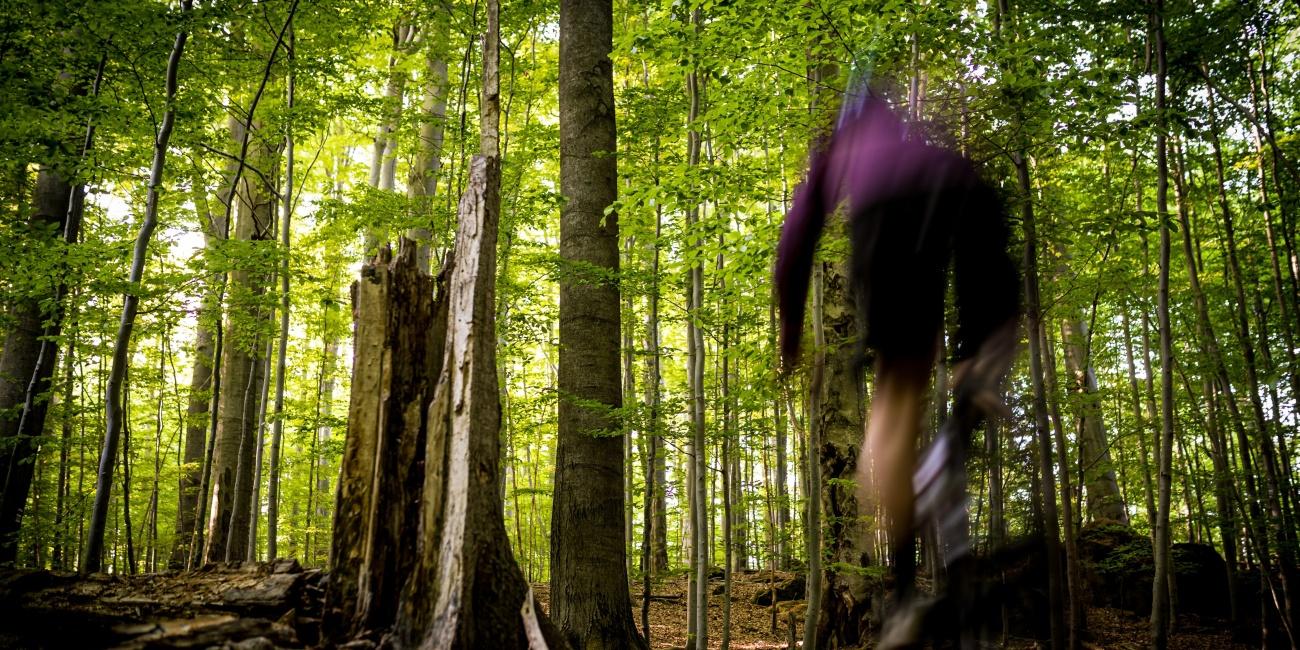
column 794, row 256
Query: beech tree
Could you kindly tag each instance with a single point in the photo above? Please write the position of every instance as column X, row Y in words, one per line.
column 589, row 588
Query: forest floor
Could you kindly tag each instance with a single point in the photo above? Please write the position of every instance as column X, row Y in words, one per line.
column 278, row 604
column 751, row 624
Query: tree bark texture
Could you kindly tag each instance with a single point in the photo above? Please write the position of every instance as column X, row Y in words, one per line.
column 1105, row 502
column 846, row 591
column 1164, row 450
column 396, row 356
column 589, row 587
column 422, row 184
column 1047, row 494
column 465, row 589
column 242, row 368
column 26, row 366
column 277, row 428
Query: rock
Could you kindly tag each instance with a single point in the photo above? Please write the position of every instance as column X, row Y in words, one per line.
column 794, row 588
column 1118, row 568
column 1201, row 577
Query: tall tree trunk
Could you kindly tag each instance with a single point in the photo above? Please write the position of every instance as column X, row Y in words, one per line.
column 656, row 473
column 197, row 417
column 130, row 304
column 1279, row 526
column 228, row 472
column 1223, row 493
column 1073, row 573
column 1033, row 317
column 28, row 357
column 1105, row 502
column 242, row 369
column 26, row 366
column 589, row 586
column 277, row 427
column 782, row 498
column 697, row 637
column 846, row 592
column 59, row 557
column 1160, row 596
column 126, row 475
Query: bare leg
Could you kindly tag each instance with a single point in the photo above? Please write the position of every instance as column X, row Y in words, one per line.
column 891, row 432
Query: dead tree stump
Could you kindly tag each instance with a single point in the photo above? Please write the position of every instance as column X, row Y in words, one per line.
column 420, row 556
column 395, row 357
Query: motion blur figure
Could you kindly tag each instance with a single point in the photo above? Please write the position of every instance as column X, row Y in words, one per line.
column 912, row 208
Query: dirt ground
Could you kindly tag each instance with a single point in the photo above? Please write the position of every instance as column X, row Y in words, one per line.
column 751, row 625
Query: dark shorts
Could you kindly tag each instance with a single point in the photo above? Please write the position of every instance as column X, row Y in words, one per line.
column 902, row 249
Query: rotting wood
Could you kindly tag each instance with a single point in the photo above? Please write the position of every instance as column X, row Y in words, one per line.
column 395, row 358
column 466, row 587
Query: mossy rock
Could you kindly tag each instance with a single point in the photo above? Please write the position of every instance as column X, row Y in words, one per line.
column 1118, row 568
column 793, row 589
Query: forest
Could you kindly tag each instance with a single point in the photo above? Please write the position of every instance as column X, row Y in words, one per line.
column 385, row 323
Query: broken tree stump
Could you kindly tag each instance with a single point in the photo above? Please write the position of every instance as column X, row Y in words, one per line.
column 396, row 354
column 420, row 556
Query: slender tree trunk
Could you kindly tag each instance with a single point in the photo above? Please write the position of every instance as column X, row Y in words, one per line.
column 1160, row 605
column 263, row 405
column 782, row 497
column 1223, row 491
column 126, row 475
column 277, row 427
column 698, row 611
column 1033, row 317
column 113, row 406
column 1073, row 573
column 59, row 556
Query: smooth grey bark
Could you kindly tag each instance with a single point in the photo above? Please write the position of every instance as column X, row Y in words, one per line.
column 242, row 371
column 589, row 587
column 422, row 184
column 654, row 549
column 277, row 426
column 383, row 154
column 113, row 416
column 697, row 636
column 1105, row 502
